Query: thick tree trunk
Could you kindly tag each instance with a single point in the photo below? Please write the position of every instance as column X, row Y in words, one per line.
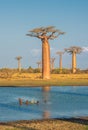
column 60, row 64
column 74, row 62
column 45, row 60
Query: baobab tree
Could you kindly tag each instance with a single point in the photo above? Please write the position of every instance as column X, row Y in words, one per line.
column 39, row 65
column 18, row 58
column 60, row 53
column 52, row 60
column 45, row 34
column 74, row 50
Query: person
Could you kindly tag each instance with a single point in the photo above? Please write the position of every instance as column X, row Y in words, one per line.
column 20, row 101
column 26, row 102
column 37, row 102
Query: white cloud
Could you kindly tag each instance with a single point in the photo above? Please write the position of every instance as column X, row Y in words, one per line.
column 85, row 49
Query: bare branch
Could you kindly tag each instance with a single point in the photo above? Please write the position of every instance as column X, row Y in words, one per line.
column 36, row 30
column 52, row 59
column 53, row 35
column 49, row 31
column 32, row 35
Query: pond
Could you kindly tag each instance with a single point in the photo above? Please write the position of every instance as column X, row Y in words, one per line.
column 27, row 103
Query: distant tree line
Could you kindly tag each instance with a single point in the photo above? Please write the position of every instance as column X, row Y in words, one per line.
column 8, row 72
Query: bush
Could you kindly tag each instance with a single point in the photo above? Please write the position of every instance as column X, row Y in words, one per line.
column 30, row 70
column 55, row 71
column 37, row 70
column 58, row 71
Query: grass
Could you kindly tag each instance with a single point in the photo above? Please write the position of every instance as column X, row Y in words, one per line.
column 36, row 80
column 86, row 128
column 19, row 129
column 48, row 124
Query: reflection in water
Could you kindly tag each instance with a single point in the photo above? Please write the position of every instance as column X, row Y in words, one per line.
column 28, row 103
column 46, row 114
column 45, row 101
column 46, row 88
column 45, row 95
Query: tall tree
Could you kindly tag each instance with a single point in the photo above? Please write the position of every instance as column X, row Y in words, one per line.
column 39, row 64
column 18, row 58
column 60, row 53
column 52, row 60
column 45, row 34
column 74, row 50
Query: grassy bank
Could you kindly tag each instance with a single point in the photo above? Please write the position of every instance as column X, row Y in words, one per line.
column 26, row 79
column 47, row 124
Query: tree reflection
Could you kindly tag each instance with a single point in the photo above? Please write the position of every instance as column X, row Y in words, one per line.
column 46, row 99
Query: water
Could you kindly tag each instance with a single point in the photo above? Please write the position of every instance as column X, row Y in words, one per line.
column 54, row 102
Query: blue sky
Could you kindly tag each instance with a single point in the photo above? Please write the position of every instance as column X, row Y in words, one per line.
column 17, row 17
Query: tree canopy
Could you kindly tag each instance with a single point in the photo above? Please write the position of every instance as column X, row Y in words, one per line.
column 75, row 49
column 49, row 31
column 60, row 53
column 18, row 57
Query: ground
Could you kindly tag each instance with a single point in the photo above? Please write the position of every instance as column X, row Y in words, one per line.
column 47, row 124
column 34, row 79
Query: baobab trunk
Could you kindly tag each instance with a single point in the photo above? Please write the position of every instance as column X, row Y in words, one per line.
column 74, row 62
column 19, row 65
column 60, row 63
column 45, row 60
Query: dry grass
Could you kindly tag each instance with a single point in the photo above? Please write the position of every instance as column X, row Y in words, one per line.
column 52, row 124
column 37, row 76
column 34, row 79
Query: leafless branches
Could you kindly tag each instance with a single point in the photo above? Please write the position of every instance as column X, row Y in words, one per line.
column 49, row 31
column 75, row 49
